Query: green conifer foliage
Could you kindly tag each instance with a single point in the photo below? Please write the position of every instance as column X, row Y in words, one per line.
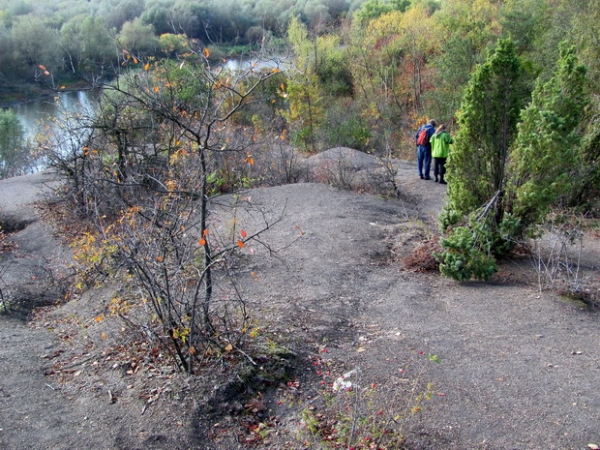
column 505, row 178
column 487, row 127
column 544, row 158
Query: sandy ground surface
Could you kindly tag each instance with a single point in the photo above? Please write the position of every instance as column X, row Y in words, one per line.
column 510, row 367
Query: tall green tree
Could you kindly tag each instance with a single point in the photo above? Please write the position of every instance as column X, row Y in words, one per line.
column 372, row 9
column 507, row 189
column 306, row 110
column 86, row 44
column 477, row 167
column 487, row 128
column 544, row 159
column 35, row 44
column 157, row 15
column 585, row 27
column 137, row 38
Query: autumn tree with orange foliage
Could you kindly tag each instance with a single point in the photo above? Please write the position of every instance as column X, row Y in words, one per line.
column 145, row 174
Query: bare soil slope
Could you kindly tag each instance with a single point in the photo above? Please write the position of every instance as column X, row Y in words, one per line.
column 511, row 368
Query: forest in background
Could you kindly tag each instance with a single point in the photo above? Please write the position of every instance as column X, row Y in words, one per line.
column 365, row 73
column 379, row 64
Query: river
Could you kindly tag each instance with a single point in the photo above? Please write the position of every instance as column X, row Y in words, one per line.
column 35, row 116
column 39, row 117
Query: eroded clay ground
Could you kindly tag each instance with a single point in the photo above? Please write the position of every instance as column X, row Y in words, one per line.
column 511, row 367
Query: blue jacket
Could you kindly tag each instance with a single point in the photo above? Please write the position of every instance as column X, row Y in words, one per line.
column 430, row 130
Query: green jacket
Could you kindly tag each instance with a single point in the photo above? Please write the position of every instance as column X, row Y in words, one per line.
column 440, row 145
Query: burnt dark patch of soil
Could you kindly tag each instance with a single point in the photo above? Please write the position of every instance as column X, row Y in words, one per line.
column 20, row 304
column 234, row 410
column 11, row 224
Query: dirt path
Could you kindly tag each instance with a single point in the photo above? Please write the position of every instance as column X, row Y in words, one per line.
column 34, row 414
column 517, row 369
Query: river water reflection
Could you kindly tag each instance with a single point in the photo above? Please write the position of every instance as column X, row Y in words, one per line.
column 45, row 116
column 37, row 116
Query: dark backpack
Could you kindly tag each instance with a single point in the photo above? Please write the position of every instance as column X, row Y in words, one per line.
column 423, row 138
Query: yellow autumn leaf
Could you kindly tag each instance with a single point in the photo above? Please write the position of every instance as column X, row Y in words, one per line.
column 206, row 53
column 156, row 89
column 147, row 66
column 103, row 336
column 229, row 348
column 99, row 318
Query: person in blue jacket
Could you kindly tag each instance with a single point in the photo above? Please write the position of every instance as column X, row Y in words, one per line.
column 424, row 149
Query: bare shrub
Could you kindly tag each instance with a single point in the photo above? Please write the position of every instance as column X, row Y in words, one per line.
column 556, row 256
column 144, row 171
column 383, row 179
column 278, row 163
column 342, row 167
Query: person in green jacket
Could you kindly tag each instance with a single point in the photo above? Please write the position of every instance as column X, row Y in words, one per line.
column 440, row 147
